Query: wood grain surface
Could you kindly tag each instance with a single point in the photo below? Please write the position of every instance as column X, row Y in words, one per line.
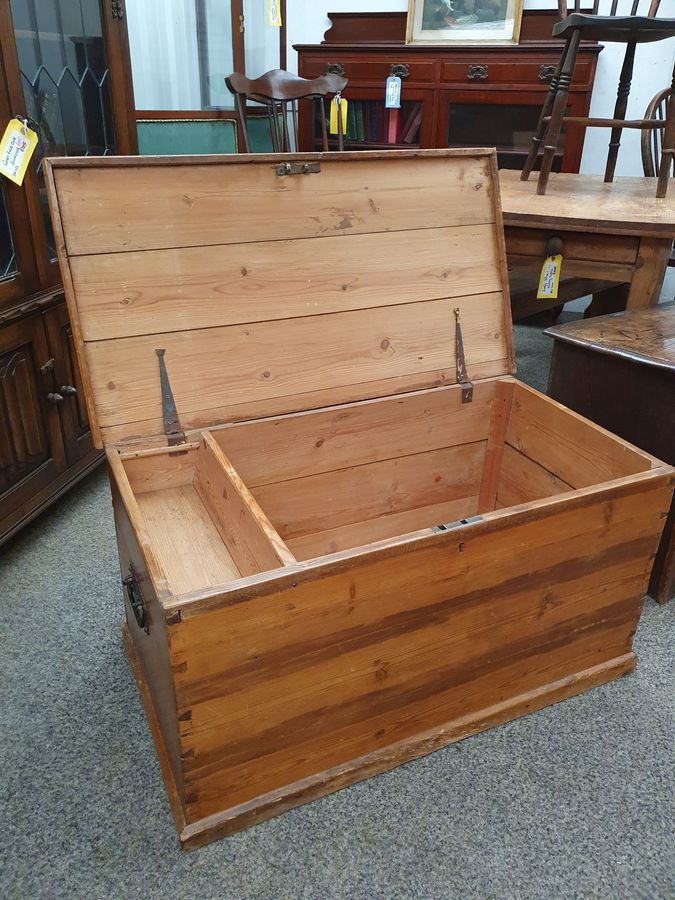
column 292, row 292
column 389, row 647
column 646, row 335
column 628, row 205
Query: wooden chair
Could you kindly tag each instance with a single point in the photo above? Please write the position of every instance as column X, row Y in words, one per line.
column 651, row 140
column 630, row 30
column 279, row 92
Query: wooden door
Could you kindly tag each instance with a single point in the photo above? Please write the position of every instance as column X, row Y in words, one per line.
column 68, row 381
column 31, row 447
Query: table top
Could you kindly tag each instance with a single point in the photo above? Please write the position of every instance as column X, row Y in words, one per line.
column 585, row 203
column 642, row 335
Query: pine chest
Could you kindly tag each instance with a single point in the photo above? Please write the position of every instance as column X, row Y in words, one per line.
column 347, row 535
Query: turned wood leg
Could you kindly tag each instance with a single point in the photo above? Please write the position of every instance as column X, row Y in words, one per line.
column 650, row 270
column 558, row 113
column 667, row 145
column 620, row 107
column 543, row 118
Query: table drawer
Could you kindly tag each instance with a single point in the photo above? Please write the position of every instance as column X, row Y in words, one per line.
column 362, row 70
column 537, row 72
column 588, row 255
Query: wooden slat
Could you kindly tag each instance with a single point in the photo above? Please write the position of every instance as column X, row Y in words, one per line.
column 522, row 480
column 159, row 471
column 201, row 287
column 576, row 268
column 148, row 433
column 354, row 434
column 572, row 448
column 358, row 534
column 501, row 410
column 307, row 505
column 161, row 206
column 185, row 540
column 213, row 370
column 246, row 531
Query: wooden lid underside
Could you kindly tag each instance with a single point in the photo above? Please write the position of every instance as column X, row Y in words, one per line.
column 270, row 293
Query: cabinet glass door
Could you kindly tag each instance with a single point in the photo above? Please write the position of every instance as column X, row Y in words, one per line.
column 507, row 121
column 65, row 80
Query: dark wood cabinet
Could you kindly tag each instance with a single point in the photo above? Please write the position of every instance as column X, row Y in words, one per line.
column 32, row 454
column 68, row 385
column 67, row 67
column 451, row 96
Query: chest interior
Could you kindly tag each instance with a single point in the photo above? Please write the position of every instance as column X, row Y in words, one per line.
column 253, row 497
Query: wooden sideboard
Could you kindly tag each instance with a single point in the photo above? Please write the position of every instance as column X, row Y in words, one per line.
column 451, row 96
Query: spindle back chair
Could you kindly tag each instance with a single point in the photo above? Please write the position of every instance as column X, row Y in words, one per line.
column 631, row 30
column 280, row 91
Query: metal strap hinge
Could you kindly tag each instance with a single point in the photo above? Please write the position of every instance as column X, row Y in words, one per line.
column 449, row 526
column 462, row 375
column 172, row 430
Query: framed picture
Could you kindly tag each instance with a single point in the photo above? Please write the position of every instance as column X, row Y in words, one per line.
column 464, row 21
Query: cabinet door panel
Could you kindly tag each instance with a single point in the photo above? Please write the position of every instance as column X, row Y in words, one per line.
column 31, row 448
column 73, row 410
column 507, row 120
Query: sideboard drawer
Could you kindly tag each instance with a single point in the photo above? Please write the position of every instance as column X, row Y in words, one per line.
column 522, row 74
column 364, row 71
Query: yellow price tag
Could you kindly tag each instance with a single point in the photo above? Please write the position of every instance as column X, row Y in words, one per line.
column 342, row 103
column 550, row 278
column 16, row 148
column 274, row 13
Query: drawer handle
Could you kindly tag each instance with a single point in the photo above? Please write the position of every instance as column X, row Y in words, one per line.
column 68, row 390
column 546, row 73
column 477, row 72
column 335, row 69
column 55, row 397
column 400, row 70
column 135, row 599
column 554, row 245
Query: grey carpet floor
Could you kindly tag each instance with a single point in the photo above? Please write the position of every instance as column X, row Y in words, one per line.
column 575, row 801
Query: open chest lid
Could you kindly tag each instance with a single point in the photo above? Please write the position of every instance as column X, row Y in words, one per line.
column 275, row 284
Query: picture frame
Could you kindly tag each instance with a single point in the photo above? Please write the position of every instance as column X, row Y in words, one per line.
column 464, row 22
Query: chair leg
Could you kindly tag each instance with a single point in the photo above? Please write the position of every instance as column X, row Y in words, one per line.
column 620, row 110
column 558, row 112
column 667, row 145
column 543, row 123
column 243, row 122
